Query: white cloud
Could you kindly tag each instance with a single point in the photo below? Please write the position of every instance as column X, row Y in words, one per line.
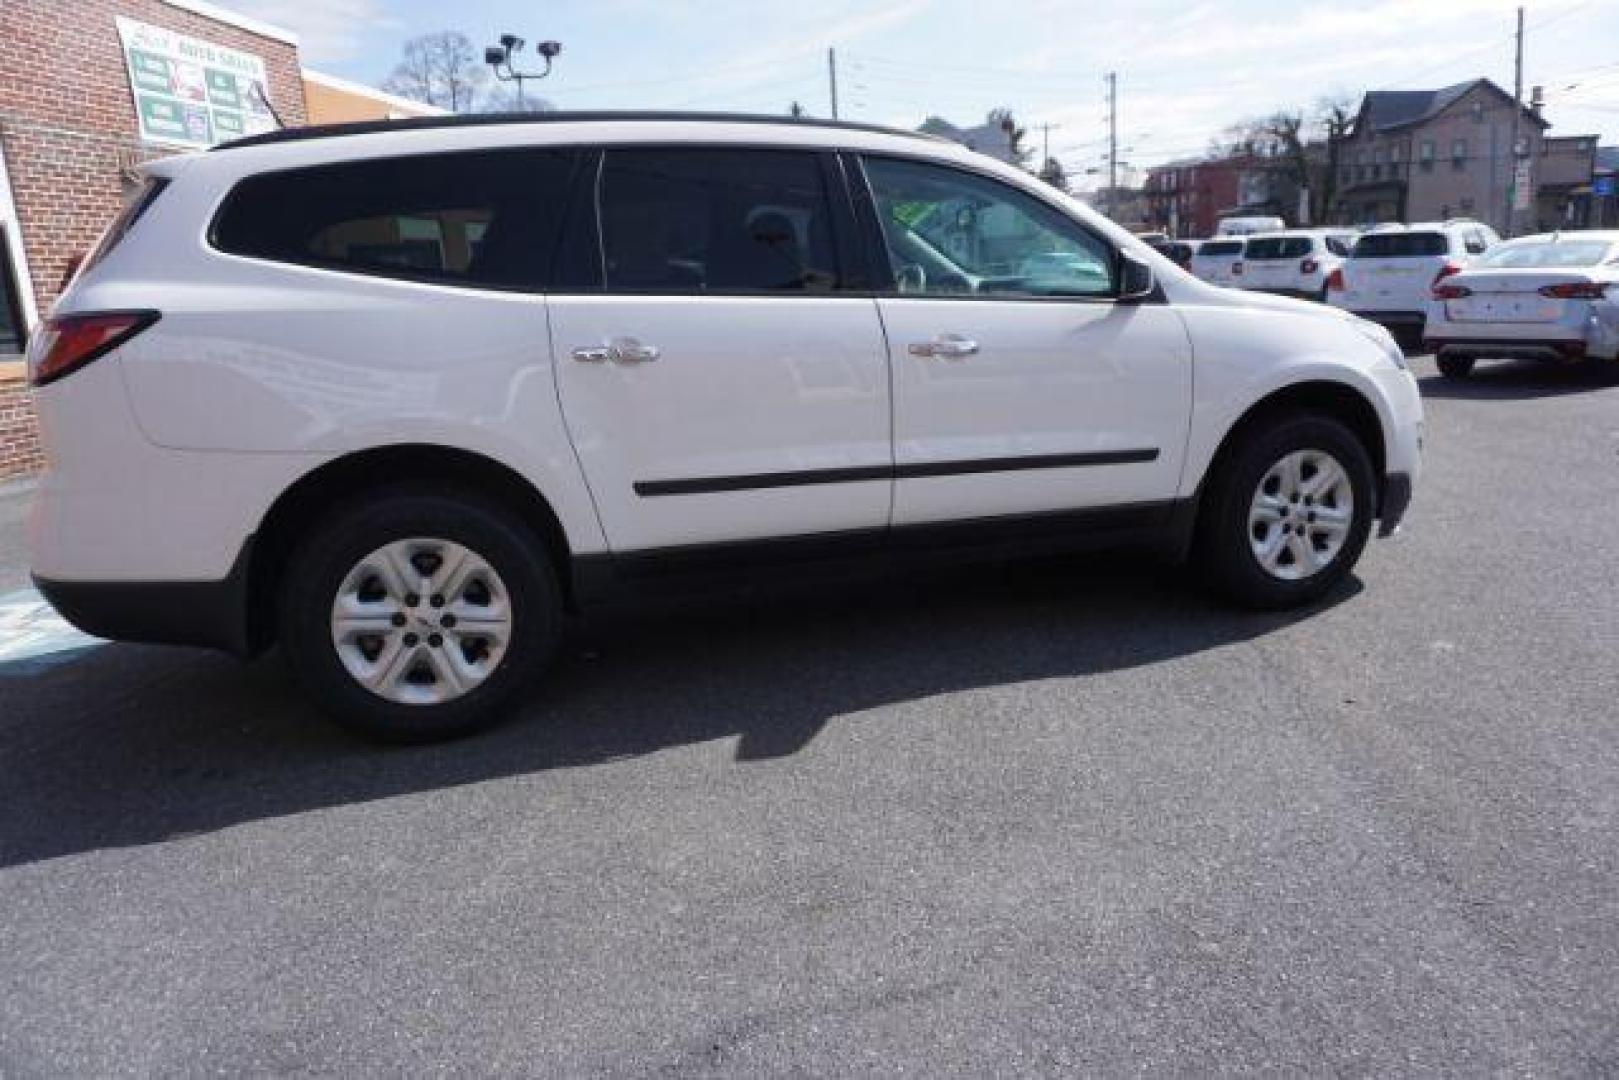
column 329, row 31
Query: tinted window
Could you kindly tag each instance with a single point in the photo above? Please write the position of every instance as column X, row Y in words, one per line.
column 950, row 232
column 487, row 219
column 725, row 221
column 1401, row 245
column 1278, row 247
column 1221, row 247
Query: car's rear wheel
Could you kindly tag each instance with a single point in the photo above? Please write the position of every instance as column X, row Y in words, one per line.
column 1456, row 367
column 1287, row 513
column 411, row 617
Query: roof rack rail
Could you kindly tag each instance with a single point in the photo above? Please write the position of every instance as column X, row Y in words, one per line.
column 416, row 123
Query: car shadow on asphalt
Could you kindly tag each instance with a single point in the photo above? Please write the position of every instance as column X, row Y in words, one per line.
column 1517, row 380
column 128, row 745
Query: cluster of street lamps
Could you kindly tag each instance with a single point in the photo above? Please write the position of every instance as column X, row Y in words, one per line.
column 500, row 59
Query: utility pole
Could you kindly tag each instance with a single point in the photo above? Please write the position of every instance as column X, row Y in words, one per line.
column 1512, row 145
column 1112, row 140
column 1045, row 135
column 832, row 78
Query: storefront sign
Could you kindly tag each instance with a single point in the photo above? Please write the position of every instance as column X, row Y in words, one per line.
column 191, row 93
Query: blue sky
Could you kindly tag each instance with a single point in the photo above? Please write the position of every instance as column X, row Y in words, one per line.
column 1186, row 69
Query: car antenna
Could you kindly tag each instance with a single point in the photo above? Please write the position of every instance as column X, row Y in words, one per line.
column 258, row 88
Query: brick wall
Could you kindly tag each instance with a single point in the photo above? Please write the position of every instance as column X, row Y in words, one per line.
column 19, row 433
column 68, row 126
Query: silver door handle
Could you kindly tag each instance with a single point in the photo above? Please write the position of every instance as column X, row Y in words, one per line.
column 945, row 347
column 593, row 354
column 630, row 351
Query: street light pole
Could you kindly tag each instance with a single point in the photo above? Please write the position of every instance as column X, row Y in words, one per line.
column 1512, row 145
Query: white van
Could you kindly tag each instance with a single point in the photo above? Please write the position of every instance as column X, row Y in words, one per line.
column 1247, row 226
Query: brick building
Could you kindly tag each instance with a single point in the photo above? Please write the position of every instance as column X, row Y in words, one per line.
column 1187, row 198
column 73, row 124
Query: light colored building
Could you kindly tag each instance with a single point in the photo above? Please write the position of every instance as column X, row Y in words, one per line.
column 1424, row 155
column 331, row 100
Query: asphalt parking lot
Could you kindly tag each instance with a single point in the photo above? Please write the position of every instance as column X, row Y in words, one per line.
column 1046, row 818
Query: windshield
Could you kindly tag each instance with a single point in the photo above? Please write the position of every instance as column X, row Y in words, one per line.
column 1400, row 245
column 1547, row 254
column 1278, row 247
column 1221, row 247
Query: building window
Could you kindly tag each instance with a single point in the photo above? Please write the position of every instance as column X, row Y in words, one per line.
column 1377, row 156
column 1425, row 150
column 1349, row 175
column 1394, row 153
column 1458, row 152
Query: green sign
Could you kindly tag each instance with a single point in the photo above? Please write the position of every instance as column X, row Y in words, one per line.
column 192, row 93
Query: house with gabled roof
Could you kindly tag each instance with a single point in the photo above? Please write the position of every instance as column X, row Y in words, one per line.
column 1424, row 155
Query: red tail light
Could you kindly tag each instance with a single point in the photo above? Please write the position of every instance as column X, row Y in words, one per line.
column 1335, row 280
column 1309, row 266
column 1451, row 292
column 1236, row 269
column 1445, row 272
column 1575, row 290
column 65, row 343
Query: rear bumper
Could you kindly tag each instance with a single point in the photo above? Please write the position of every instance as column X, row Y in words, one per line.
column 211, row 614
column 1394, row 320
column 1555, row 350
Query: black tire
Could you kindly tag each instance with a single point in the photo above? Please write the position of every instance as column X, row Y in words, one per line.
column 1456, row 367
column 1222, row 553
column 318, row 566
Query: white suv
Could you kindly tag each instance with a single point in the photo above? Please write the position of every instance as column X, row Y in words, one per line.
column 398, row 396
column 1296, row 262
column 1391, row 271
column 1215, row 261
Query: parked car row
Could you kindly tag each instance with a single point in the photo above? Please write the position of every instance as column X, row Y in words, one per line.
column 1451, row 287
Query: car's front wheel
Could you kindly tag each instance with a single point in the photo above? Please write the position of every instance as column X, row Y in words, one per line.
column 1287, row 513
column 411, row 617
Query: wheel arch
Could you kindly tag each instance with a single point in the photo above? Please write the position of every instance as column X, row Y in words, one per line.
column 1339, row 400
column 397, row 466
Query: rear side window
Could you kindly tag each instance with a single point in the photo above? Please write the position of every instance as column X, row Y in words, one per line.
column 487, row 219
column 1278, row 247
column 1338, row 245
column 1401, row 245
column 1221, row 247
column 136, row 203
column 716, row 221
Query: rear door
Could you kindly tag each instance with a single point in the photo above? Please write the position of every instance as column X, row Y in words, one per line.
column 721, row 376
column 1021, row 384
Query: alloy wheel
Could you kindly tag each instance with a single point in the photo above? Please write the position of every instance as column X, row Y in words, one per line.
column 421, row 621
column 1301, row 513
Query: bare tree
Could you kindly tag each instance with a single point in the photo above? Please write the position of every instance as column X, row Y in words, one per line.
column 506, row 101
column 1298, row 148
column 1054, row 174
column 438, row 69
column 1003, row 120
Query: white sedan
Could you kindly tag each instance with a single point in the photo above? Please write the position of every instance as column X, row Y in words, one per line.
column 1549, row 297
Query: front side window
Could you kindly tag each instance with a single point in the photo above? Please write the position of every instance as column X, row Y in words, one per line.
column 488, row 218
column 950, row 233
column 716, row 222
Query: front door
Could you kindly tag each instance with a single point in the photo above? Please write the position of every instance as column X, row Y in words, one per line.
column 1021, row 385
column 720, row 384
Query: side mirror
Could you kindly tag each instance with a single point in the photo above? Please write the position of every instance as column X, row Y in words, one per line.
column 1136, row 281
